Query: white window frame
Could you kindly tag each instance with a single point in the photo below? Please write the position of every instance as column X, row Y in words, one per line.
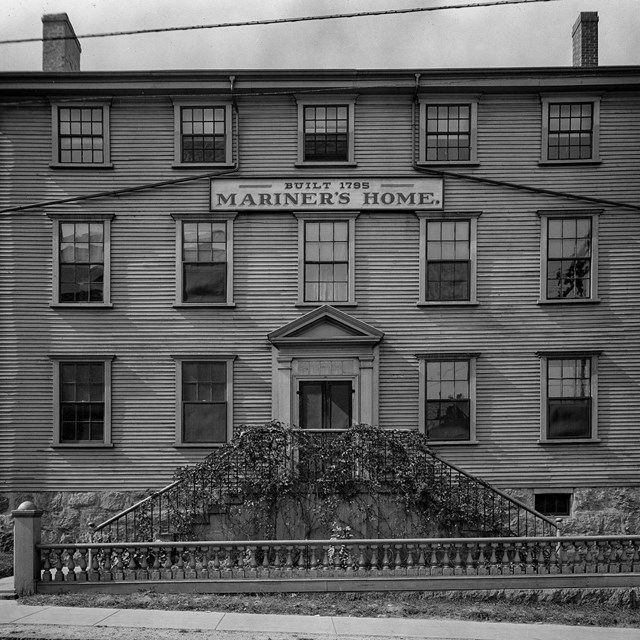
column 180, row 218
column 348, row 101
column 547, row 99
column 439, row 216
column 545, row 356
column 106, row 134
column 594, row 215
column 57, row 219
column 440, row 100
column 471, row 358
column 179, row 360
column 57, row 360
column 177, row 135
column 340, row 216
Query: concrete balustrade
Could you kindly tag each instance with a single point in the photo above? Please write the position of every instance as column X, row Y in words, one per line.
column 321, row 565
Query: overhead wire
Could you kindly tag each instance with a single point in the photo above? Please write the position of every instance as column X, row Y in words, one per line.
column 253, row 23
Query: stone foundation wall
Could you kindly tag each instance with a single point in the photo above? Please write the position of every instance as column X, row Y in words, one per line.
column 595, row 511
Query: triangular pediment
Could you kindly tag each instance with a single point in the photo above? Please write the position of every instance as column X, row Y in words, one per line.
column 326, row 325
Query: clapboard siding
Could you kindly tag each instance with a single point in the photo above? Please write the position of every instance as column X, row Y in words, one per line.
column 145, row 331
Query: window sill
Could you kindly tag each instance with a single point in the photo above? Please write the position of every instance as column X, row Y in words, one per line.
column 202, row 165
column 562, row 163
column 326, row 163
column 80, row 305
column 449, row 303
column 448, row 163
column 81, row 445
column 204, row 305
column 198, row 445
column 569, row 441
column 302, row 304
column 80, row 165
column 570, row 301
column 452, row 442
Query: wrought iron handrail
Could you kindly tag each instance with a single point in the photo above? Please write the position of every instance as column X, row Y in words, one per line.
column 189, row 498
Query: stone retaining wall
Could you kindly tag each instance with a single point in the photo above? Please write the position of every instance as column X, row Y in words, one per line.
column 595, row 511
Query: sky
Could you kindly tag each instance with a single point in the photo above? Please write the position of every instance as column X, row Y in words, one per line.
column 531, row 35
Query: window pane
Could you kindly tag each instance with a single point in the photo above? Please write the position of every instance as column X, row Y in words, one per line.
column 569, row 418
column 205, row 282
column 311, row 405
column 205, row 422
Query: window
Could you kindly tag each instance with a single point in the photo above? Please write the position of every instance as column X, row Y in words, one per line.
column 325, row 130
column 205, row 415
column 448, row 396
column 325, row 404
column 204, row 260
column 569, row 397
column 81, row 260
column 327, row 254
column 82, row 400
column 569, row 254
column 448, row 128
column 80, row 135
column 570, row 129
column 448, row 263
column 203, row 134
column 553, row 504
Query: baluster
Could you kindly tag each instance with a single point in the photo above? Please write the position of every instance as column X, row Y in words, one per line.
column 528, row 563
column 375, row 566
column 553, row 558
column 265, row 559
column 105, row 574
column 411, row 569
column 57, row 564
column 422, row 561
column 132, row 564
column 603, row 566
column 82, row 565
column 189, row 566
column 506, row 565
column 470, row 570
column 482, row 560
column 288, row 563
column 299, row 563
column 45, row 563
column 156, row 567
column 397, row 561
column 446, row 561
column 457, row 561
column 325, row 558
column 253, row 562
column 385, row 558
column 117, row 569
column 627, row 556
column 362, row 561
column 614, row 556
column 313, row 561
column 436, row 570
column 542, row 561
column 277, row 565
column 494, row 567
column 178, row 572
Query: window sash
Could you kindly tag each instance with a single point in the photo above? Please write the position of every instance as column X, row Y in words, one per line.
column 325, row 404
column 570, row 131
column 81, row 264
column 204, row 402
column 326, row 261
column 81, row 402
column 203, row 134
column 448, row 132
column 448, row 400
column 204, row 252
column 326, row 132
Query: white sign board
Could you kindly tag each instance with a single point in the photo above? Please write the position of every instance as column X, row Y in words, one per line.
column 325, row 194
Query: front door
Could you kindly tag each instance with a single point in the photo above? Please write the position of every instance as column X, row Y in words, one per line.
column 325, row 404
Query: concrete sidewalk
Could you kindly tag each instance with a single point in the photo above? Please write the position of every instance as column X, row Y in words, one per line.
column 25, row 617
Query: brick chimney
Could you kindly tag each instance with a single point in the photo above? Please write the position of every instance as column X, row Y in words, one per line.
column 585, row 40
column 61, row 54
